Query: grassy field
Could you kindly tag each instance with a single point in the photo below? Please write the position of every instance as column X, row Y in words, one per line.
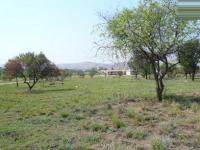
column 99, row 113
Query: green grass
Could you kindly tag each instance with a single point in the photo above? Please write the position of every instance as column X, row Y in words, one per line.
column 80, row 114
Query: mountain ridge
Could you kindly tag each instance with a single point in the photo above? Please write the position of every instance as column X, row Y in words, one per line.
column 89, row 65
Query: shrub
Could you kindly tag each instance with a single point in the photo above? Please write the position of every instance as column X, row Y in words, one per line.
column 134, row 115
column 118, row 123
column 195, row 107
column 64, row 115
column 167, row 127
column 93, row 139
column 135, row 133
column 65, row 147
column 98, row 127
column 161, row 143
column 79, row 117
column 83, row 147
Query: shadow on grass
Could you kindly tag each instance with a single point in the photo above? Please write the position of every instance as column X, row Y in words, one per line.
column 52, row 90
column 182, row 99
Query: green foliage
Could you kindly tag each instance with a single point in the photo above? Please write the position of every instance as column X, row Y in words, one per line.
column 161, row 143
column 98, row 127
column 92, row 72
column 117, row 122
column 140, row 64
column 189, row 56
column 31, row 67
column 64, row 115
column 79, row 117
column 152, row 30
column 65, row 146
column 167, row 127
column 94, row 138
column 120, row 73
column 136, row 116
column 81, row 74
column 135, row 133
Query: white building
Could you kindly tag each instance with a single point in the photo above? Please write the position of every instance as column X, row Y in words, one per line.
column 115, row 72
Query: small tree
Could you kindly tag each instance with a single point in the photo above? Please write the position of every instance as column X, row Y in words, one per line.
column 189, row 57
column 134, row 67
column 13, row 69
column 92, row 72
column 81, row 73
column 120, row 74
column 69, row 73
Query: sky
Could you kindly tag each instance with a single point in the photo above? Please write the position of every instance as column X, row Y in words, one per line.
column 61, row 29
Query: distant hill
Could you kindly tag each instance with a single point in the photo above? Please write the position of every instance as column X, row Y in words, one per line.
column 90, row 65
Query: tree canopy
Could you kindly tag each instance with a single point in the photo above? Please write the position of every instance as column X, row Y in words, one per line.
column 31, row 67
column 152, row 30
column 189, row 56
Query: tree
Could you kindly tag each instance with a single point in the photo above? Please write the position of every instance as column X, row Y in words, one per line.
column 31, row 67
column 132, row 65
column 65, row 73
column 152, row 30
column 13, row 69
column 81, row 73
column 139, row 63
column 120, row 74
column 50, row 71
column 92, row 72
column 189, row 56
column 69, row 73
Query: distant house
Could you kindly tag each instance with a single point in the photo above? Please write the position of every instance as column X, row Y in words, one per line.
column 115, row 72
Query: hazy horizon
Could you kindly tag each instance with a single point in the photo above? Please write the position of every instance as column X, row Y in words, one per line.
column 60, row 29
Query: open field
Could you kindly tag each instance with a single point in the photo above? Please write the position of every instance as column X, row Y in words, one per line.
column 99, row 113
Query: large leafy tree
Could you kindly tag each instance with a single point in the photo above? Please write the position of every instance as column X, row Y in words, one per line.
column 31, row 67
column 35, row 67
column 153, row 30
column 189, row 56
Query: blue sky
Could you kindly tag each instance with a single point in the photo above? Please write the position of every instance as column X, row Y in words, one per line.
column 62, row 29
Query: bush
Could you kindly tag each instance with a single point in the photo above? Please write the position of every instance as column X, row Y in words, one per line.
column 65, row 147
column 167, row 127
column 98, row 127
column 118, row 123
column 93, row 139
column 134, row 115
column 79, row 117
column 135, row 133
column 161, row 143
column 64, row 115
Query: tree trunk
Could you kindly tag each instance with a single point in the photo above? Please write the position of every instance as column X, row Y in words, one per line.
column 193, row 76
column 159, row 80
column 136, row 75
column 146, row 76
column 29, row 85
column 17, row 82
column 159, row 89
